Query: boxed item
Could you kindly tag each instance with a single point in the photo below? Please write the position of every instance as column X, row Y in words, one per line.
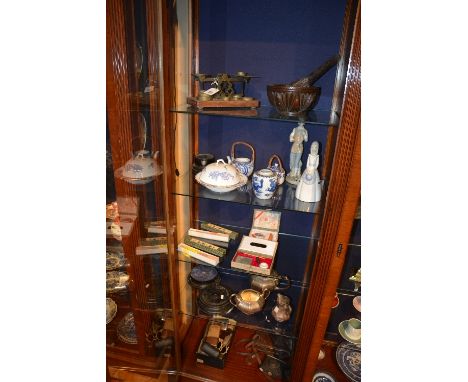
column 216, row 228
column 255, row 255
column 152, row 246
column 265, row 224
column 216, row 341
column 198, row 254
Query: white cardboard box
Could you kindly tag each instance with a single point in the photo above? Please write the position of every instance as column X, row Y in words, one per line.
column 254, row 252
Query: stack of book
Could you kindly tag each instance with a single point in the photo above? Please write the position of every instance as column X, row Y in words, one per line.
column 208, row 245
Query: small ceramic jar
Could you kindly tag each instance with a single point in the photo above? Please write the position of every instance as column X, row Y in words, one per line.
column 264, row 183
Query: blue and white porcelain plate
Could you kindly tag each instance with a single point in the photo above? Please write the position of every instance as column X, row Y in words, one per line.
column 114, row 259
column 203, row 273
column 111, row 310
column 348, row 357
column 116, row 281
column 322, row 376
column 126, row 330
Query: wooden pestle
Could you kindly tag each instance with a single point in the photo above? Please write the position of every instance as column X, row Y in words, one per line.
column 312, row 77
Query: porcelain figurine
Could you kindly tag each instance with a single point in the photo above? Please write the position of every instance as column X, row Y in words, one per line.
column 297, row 136
column 282, row 310
column 264, row 183
column 244, row 165
column 310, row 187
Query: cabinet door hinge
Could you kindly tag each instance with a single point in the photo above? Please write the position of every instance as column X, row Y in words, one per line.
column 340, row 248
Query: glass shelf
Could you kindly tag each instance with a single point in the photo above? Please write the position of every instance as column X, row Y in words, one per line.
column 344, row 311
column 284, row 198
column 263, row 320
column 314, row 117
column 287, row 262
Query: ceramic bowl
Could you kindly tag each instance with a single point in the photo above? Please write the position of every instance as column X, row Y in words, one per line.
column 350, row 330
column 220, row 177
column 141, row 168
column 220, row 174
column 322, row 376
column 293, row 100
column 222, row 189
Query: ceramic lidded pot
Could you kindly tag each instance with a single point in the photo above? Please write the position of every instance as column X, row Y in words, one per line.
column 220, row 177
column 142, row 166
column 264, row 183
column 277, row 168
column 243, row 165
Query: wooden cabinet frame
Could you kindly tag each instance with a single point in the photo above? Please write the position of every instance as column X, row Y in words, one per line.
column 343, row 190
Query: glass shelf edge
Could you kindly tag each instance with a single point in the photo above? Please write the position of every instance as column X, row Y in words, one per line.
column 317, row 117
column 241, row 324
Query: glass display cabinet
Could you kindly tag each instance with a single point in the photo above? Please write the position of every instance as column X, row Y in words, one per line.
column 186, row 300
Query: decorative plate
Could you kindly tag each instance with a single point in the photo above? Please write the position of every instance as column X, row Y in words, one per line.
column 348, row 357
column 126, row 330
column 203, row 273
column 114, row 259
column 116, row 281
column 322, row 376
column 342, row 331
column 111, row 310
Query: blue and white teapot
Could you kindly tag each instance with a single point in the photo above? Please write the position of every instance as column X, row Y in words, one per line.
column 244, row 165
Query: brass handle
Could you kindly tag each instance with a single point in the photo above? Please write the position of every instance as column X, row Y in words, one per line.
column 245, row 144
column 274, row 156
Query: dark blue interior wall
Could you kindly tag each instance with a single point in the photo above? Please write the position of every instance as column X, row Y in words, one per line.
column 278, row 40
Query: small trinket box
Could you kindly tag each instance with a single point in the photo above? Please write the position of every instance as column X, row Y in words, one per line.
column 265, row 224
column 255, row 255
column 216, row 341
